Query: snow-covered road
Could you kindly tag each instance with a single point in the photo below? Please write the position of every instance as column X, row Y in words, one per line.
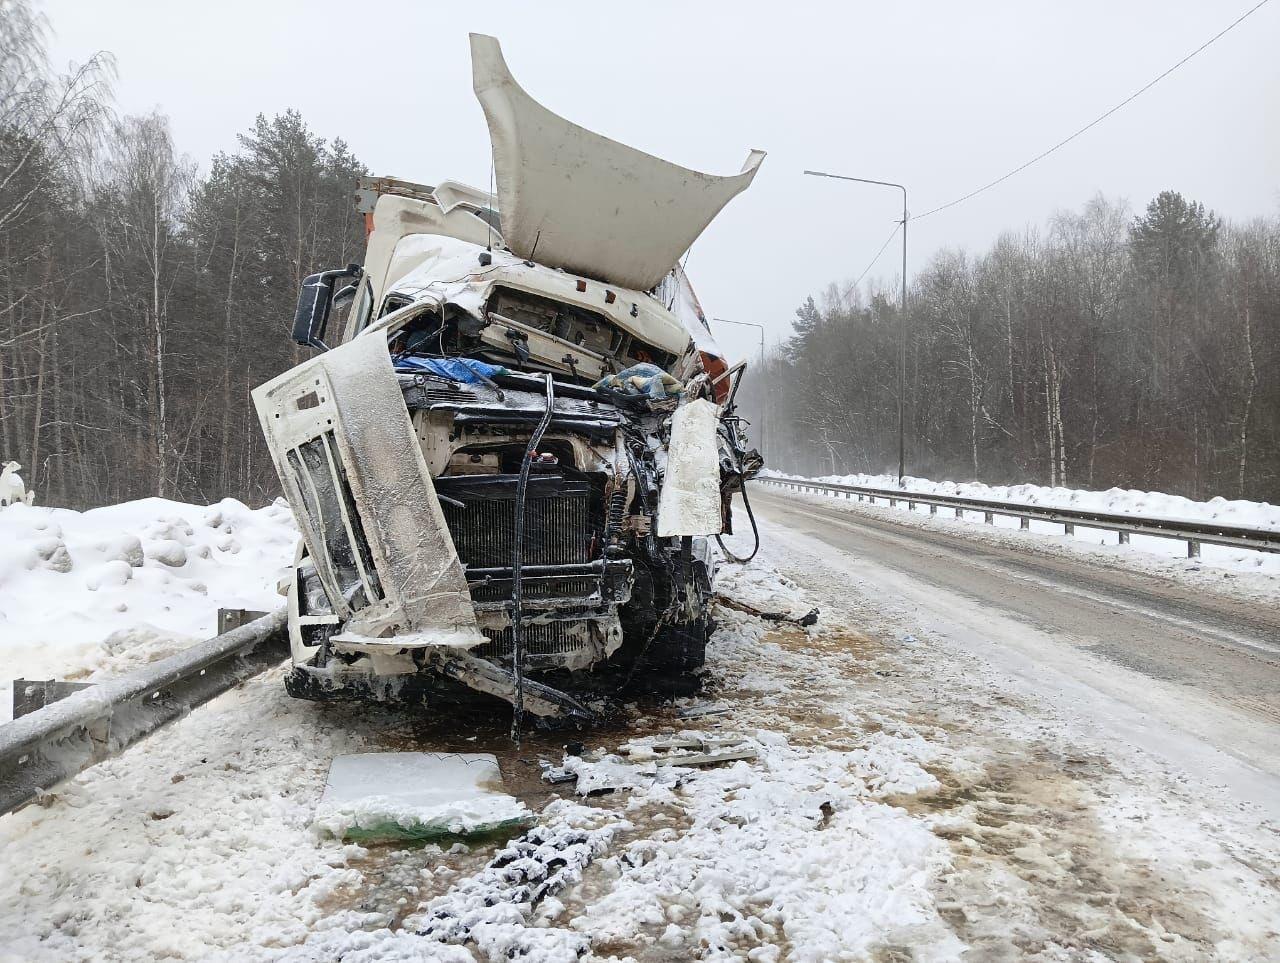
column 920, row 792
column 1170, row 663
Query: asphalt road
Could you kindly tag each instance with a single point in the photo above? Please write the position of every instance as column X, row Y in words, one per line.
column 1190, row 675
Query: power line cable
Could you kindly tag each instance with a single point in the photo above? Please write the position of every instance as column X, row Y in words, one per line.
column 1097, row 120
column 891, row 236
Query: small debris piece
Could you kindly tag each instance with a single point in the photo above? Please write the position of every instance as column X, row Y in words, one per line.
column 707, row 758
column 557, row 775
column 690, row 750
column 706, row 709
column 809, row 618
column 607, row 774
column 701, row 743
column 826, row 811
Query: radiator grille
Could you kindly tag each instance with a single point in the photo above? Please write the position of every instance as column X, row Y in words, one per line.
column 570, row 586
column 447, row 393
column 549, row 638
column 556, row 530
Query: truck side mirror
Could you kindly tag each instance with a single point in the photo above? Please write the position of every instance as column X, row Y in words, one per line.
column 315, row 298
column 345, row 294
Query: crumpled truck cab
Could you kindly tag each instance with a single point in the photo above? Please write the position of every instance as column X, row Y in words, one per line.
column 507, row 467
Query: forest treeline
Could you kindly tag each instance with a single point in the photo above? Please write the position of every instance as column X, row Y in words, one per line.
column 1106, row 349
column 141, row 300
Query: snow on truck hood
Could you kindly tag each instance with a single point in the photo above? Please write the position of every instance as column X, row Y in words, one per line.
column 585, row 203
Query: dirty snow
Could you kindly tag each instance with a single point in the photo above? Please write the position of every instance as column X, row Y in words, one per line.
column 106, row 590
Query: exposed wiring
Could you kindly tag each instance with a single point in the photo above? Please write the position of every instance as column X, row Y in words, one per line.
column 517, row 614
column 1097, row 120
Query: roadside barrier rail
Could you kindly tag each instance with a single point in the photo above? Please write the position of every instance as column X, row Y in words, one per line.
column 1194, row 533
column 40, row 750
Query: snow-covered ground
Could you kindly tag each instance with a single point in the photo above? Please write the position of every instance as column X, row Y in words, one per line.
column 108, row 589
column 908, row 801
column 1119, row 500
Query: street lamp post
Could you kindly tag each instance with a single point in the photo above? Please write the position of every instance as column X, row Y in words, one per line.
column 764, row 412
column 902, row 318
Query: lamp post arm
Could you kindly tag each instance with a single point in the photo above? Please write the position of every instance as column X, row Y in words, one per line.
column 902, row 317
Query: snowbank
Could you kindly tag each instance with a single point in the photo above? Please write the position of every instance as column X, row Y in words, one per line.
column 1121, row 500
column 106, row 590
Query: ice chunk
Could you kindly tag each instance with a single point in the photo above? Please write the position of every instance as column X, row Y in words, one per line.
column 418, row 795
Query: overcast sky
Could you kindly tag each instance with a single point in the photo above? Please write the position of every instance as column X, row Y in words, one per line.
column 942, row 96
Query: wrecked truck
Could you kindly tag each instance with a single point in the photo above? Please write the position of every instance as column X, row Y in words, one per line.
column 508, row 460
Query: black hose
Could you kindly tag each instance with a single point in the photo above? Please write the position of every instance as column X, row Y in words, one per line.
column 754, row 531
column 517, row 614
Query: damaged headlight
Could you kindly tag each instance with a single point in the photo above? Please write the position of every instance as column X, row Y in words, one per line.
column 314, row 600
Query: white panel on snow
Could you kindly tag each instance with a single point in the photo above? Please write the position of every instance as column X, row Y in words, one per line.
column 416, row 794
column 690, row 500
column 573, row 199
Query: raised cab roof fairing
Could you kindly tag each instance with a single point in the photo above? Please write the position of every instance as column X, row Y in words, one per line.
column 573, row 199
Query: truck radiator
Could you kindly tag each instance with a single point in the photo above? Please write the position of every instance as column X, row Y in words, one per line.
column 558, row 524
column 571, row 586
column 551, row 638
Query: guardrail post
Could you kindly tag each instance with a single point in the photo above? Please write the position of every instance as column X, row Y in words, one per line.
column 1124, row 537
column 1193, row 548
column 1024, row 523
column 911, row 506
column 893, row 503
column 859, row 496
column 1068, row 528
column 959, row 513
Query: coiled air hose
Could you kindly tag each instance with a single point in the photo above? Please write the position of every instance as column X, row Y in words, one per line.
column 754, row 531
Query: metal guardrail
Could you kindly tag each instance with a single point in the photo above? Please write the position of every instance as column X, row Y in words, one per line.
column 1194, row 533
column 40, row 750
